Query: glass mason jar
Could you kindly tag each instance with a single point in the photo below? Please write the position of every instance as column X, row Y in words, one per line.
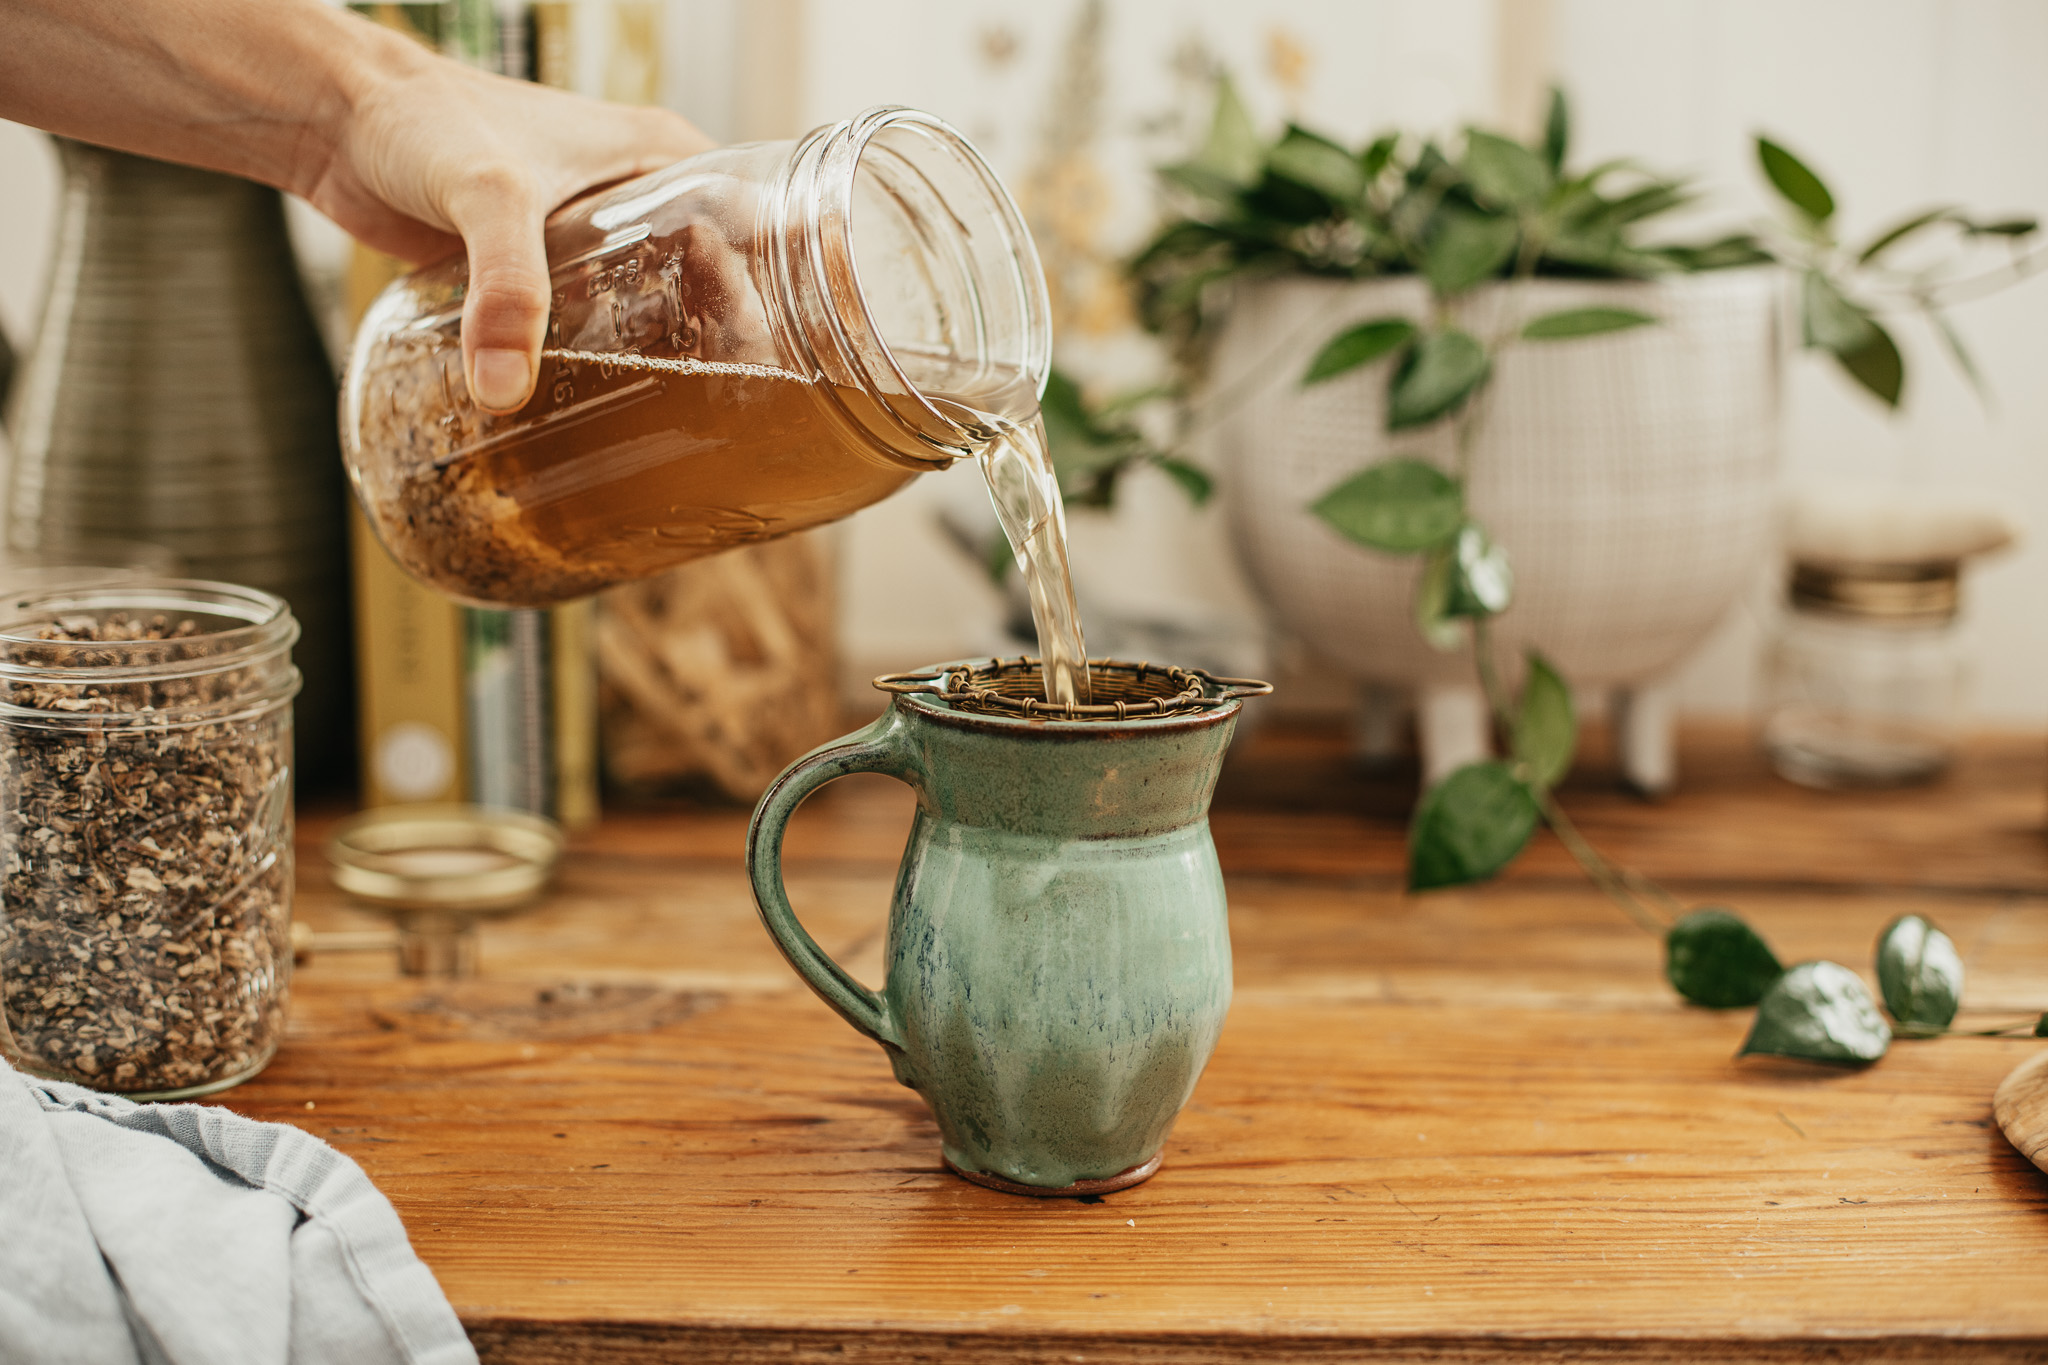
column 1863, row 681
column 751, row 342
column 145, row 833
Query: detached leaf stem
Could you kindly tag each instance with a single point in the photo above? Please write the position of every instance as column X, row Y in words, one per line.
column 1615, row 882
column 1498, row 214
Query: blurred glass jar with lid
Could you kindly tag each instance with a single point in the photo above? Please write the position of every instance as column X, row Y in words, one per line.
column 1864, row 677
column 756, row 340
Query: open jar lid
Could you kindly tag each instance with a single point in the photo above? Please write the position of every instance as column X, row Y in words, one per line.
column 463, row 859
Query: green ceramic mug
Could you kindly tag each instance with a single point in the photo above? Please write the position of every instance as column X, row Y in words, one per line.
column 1058, row 951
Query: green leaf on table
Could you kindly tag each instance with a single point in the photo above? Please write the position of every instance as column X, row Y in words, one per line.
column 1466, row 249
column 1584, row 322
column 1504, row 172
column 1469, row 826
column 1713, row 958
column 1920, row 974
column 1900, row 231
column 1400, row 505
column 1819, row 1012
column 1435, row 377
column 1799, row 186
column 1557, row 131
column 1481, row 581
column 1877, row 365
column 1546, row 731
column 1360, row 345
column 2041, row 1026
column 1313, row 160
column 1193, row 479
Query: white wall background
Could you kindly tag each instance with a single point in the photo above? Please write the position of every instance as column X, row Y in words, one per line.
column 1012, row 77
column 1898, row 102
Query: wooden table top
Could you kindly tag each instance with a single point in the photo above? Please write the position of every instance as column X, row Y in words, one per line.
column 1470, row 1125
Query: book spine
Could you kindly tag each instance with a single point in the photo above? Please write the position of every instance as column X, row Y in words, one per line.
column 409, row 681
column 573, row 642
column 409, row 639
column 496, row 707
column 554, row 43
column 506, row 685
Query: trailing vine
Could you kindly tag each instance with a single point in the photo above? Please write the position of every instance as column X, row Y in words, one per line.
column 1496, row 215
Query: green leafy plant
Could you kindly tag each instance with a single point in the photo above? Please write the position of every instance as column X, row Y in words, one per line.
column 1094, row 446
column 1500, row 210
column 1497, row 212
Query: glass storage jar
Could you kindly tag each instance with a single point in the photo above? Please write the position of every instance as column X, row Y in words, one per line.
column 753, row 341
column 1864, row 679
column 145, row 833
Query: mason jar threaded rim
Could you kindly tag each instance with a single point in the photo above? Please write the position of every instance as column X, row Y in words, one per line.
column 827, row 318
column 258, row 639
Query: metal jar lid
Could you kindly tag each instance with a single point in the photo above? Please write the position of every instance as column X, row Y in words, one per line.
column 452, row 858
column 1886, row 594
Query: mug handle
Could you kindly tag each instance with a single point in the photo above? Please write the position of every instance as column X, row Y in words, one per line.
column 873, row 750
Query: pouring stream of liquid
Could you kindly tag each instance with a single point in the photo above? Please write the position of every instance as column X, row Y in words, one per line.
column 1026, row 492
column 1017, row 465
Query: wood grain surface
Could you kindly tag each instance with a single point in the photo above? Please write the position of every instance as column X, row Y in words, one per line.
column 1469, row 1126
column 2020, row 1105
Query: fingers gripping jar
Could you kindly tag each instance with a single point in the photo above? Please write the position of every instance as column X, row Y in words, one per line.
column 751, row 342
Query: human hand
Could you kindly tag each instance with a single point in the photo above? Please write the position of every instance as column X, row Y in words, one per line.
column 415, row 154
column 433, row 157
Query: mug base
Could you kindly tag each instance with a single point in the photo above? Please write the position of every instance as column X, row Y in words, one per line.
column 1108, row 1184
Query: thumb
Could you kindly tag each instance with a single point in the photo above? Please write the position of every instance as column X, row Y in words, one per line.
column 505, row 313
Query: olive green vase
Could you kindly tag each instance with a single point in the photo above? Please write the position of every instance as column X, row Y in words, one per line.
column 1058, row 957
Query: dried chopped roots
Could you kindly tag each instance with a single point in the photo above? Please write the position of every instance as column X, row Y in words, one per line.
column 440, row 516
column 145, row 883
column 468, row 538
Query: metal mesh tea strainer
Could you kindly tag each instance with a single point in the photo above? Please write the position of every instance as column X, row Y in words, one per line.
column 1122, row 690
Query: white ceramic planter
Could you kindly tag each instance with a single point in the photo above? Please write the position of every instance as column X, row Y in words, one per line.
column 1629, row 477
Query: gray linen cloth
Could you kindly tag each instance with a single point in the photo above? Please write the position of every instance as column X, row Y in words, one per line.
column 182, row 1234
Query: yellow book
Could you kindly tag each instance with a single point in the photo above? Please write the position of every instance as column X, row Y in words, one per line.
column 408, row 681
column 458, row 703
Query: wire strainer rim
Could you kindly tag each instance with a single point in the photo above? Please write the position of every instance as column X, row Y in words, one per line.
column 950, row 682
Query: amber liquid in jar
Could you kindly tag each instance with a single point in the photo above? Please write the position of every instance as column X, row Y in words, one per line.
column 682, row 406
column 675, row 460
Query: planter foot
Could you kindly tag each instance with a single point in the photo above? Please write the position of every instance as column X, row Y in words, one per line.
column 1452, row 724
column 1643, row 741
column 1378, row 726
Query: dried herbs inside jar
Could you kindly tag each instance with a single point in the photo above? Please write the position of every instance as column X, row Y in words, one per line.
column 145, row 837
